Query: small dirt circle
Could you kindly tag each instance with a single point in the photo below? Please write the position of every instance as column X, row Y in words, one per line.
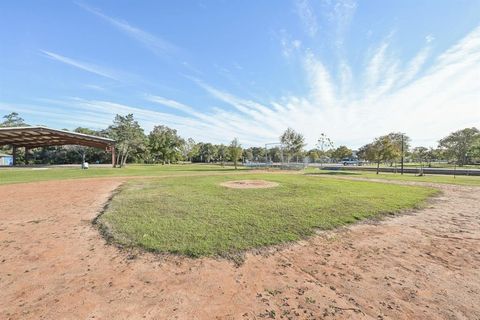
column 249, row 184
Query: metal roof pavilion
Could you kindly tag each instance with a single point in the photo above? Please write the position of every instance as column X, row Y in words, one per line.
column 37, row 136
column 33, row 137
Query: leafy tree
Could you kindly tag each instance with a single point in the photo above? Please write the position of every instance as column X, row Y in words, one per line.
column 293, row 142
column 382, row 149
column 235, row 151
column 164, row 144
column 474, row 151
column 214, row 152
column 341, row 153
column 12, row 119
column 189, row 149
column 258, row 153
column 247, row 154
column 222, row 153
column 325, row 145
column 433, row 155
column 207, row 152
column 275, row 154
column 458, row 144
column 195, row 150
column 420, row 155
column 397, row 138
column 128, row 136
column 313, row 154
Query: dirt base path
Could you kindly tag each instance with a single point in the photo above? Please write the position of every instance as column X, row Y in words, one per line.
column 54, row 265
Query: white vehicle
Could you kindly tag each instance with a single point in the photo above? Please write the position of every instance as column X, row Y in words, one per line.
column 350, row 162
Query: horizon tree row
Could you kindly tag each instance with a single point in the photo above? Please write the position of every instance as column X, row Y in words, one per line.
column 164, row 145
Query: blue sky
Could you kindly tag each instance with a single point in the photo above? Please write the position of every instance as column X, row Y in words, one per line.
column 215, row 70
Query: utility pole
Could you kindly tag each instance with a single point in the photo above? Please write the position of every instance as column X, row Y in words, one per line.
column 401, row 170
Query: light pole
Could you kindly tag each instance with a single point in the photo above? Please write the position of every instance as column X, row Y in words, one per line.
column 401, row 170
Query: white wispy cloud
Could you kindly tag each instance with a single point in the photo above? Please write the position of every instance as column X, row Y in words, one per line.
column 289, row 45
column 426, row 96
column 171, row 103
column 340, row 13
column 95, row 87
column 307, row 16
column 82, row 65
column 156, row 44
column 425, row 100
column 415, row 65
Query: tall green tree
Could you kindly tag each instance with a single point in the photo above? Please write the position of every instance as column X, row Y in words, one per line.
column 164, row 144
column 324, row 145
column 293, row 142
column 382, row 149
column 235, row 149
column 341, row 153
column 128, row 135
column 458, row 144
column 274, row 154
column 433, row 154
column 247, row 154
column 420, row 155
column 258, row 153
column 313, row 154
column 207, row 152
column 474, row 151
column 12, row 119
column 223, row 153
column 397, row 138
column 189, row 149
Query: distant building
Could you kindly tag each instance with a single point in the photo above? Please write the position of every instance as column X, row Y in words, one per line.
column 6, row 160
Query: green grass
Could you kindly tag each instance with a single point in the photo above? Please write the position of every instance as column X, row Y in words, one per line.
column 195, row 216
column 448, row 179
column 17, row 175
column 425, row 165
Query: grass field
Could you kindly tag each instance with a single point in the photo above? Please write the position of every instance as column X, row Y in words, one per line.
column 16, row 175
column 195, row 216
column 442, row 165
column 19, row 175
column 448, row 179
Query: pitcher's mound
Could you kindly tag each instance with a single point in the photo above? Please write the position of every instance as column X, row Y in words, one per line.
column 249, row 184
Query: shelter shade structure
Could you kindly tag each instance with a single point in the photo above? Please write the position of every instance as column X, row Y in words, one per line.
column 34, row 137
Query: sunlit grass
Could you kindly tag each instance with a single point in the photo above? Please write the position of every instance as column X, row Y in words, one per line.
column 195, row 216
column 433, row 178
column 16, row 175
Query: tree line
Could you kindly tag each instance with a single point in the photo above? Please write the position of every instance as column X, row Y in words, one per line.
column 164, row 145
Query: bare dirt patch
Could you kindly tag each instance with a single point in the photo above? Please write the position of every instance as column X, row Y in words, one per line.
column 55, row 265
column 249, row 184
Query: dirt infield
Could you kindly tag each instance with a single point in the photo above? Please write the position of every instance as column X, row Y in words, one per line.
column 249, row 184
column 55, row 265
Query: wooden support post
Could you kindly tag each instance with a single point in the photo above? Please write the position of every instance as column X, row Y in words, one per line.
column 113, row 156
column 26, row 155
column 14, row 154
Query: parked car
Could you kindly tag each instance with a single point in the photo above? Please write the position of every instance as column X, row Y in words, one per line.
column 350, row 162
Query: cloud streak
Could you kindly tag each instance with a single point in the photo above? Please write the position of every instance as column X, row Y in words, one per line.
column 426, row 97
column 425, row 101
column 157, row 45
column 307, row 16
column 81, row 65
